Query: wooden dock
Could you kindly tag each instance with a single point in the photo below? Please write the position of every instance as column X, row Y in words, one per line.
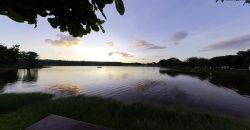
column 54, row 122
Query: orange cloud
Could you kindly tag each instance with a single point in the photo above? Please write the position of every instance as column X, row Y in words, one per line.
column 110, row 43
column 64, row 40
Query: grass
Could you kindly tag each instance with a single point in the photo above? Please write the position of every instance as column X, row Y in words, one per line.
column 11, row 102
column 19, row 111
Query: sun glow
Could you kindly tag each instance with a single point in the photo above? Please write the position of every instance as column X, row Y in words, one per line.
column 97, row 54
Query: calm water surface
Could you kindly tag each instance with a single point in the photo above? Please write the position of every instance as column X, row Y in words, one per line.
column 212, row 91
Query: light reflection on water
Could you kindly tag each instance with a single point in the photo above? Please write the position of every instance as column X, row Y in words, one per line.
column 221, row 93
column 65, row 89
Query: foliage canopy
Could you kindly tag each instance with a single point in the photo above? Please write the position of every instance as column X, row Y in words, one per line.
column 78, row 17
column 246, row 1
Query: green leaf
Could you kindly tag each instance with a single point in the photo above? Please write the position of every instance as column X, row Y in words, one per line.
column 120, row 6
column 53, row 22
column 95, row 28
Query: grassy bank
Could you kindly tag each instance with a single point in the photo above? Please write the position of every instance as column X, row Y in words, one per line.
column 19, row 111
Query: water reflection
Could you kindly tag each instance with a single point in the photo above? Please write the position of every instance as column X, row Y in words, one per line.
column 13, row 76
column 8, row 76
column 28, row 75
column 146, row 85
column 65, row 89
column 121, row 76
column 206, row 90
column 178, row 95
column 174, row 73
column 236, row 80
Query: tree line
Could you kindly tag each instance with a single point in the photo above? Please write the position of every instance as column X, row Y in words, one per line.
column 13, row 57
column 240, row 61
column 84, row 63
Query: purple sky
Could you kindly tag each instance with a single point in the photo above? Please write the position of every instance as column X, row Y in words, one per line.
column 149, row 31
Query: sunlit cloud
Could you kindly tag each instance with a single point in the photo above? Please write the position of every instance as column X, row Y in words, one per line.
column 147, row 45
column 233, row 43
column 176, row 38
column 123, row 54
column 64, row 40
column 110, row 43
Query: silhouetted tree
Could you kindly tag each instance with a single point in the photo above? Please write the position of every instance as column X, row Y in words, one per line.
column 12, row 57
column 28, row 59
column 245, row 57
column 170, row 62
column 194, row 61
column 3, row 51
column 9, row 56
column 78, row 17
column 241, row 60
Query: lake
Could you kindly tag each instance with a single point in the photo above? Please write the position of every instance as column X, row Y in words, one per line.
column 220, row 92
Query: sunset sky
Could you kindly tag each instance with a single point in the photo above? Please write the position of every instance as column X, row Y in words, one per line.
column 149, row 31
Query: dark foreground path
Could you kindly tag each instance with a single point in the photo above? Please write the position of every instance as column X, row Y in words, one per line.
column 54, row 122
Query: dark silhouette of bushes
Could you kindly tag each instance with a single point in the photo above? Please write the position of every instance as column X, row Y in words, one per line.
column 12, row 57
column 240, row 61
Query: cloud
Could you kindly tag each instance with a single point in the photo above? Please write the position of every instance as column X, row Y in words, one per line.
column 64, row 41
column 146, row 45
column 177, row 37
column 110, row 43
column 233, row 43
column 123, row 54
column 157, row 56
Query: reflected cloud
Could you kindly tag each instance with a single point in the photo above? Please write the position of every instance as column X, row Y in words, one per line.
column 64, row 89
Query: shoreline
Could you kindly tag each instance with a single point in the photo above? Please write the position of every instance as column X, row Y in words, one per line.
column 21, row 110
